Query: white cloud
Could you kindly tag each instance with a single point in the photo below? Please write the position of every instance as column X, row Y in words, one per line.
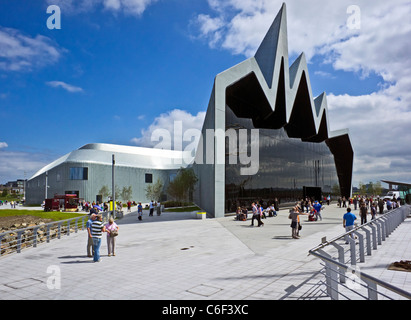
column 15, row 165
column 3, row 145
column 131, row 7
column 379, row 122
column 166, row 122
column 20, row 52
column 65, row 86
column 324, row 74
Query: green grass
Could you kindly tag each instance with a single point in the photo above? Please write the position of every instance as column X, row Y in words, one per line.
column 183, row 209
column 54, row 215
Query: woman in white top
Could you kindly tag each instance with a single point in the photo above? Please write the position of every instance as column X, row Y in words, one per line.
column 112, row 231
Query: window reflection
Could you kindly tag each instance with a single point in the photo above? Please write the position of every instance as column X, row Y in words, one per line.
column 286, row 166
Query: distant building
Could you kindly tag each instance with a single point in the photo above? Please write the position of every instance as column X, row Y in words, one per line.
column 16, row 187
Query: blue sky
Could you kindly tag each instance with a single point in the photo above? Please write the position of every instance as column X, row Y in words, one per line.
column 116, row 67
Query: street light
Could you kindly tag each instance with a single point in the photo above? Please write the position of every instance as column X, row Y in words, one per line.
column 113, row 191
column 47, row 174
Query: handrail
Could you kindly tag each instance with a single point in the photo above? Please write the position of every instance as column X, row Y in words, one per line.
column 363, row 275
column 326, row 242
column 15, row 237
column 381, row 227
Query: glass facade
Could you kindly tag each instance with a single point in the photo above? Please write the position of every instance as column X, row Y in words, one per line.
column 78, row 173
column 288, row 167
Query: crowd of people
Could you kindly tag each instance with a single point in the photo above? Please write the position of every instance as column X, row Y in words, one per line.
column 12, row 203
column 313, row 208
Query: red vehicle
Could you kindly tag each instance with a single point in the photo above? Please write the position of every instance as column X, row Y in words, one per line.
column 66, row 202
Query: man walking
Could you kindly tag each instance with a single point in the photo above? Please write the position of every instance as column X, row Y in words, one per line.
column 363, row 213
column 348, row 222
column 318, row 207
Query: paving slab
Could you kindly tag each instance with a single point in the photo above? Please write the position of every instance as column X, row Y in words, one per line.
column 177, row 257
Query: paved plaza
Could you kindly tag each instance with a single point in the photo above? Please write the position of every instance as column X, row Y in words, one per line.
column 177, row 257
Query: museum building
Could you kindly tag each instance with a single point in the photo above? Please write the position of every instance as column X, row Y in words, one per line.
column 261, row 110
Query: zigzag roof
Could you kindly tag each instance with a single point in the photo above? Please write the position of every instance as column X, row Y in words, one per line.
column 287, row 92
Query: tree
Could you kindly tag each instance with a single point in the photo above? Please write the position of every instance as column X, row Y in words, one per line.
column 336, row 190
column 104, row 192
column 370, row 188
column 362, row 188
column 153, row 191
column 126, row 193
column 5, row 193
column 378, row 188
column 183, row 184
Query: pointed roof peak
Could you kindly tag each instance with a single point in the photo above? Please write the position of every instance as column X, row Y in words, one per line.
column 274, row 40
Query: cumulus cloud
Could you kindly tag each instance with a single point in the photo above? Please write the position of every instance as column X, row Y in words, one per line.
column 379, row 121
column 20, row 52
column 180, row 126
column 65, row 86
column 132, row 7
column 3, row 145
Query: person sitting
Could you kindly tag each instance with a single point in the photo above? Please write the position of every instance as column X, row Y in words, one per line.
column 238, row 214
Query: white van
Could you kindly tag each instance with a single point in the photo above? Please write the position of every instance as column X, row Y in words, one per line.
column 390, row 195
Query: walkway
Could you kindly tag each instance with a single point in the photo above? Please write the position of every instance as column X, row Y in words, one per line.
column 176, row 257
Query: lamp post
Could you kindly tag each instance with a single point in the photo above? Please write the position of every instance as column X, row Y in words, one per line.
column 113, row 190
column 47, row 182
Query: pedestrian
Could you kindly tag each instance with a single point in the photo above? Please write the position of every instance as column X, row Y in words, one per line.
column 260, row 215
column 158, row 208
column 256, row 214
column 344, row 201
column 276, row 204
column 348, row 222
column 294, row 213
column 140, row 211
column 151, row 206
column 373, row 211
column 363, row 213
column 90, row 250
column 97, row 229
column 381, row 206
column 318, row 207
column 299, row 227
column 112, row 232
column 128, row 206
column 389, row 204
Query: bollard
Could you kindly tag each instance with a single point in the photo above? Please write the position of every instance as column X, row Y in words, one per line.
column 201, row 215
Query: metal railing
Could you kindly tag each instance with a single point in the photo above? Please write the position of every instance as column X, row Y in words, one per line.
column 14, row 241
column 347, row 281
